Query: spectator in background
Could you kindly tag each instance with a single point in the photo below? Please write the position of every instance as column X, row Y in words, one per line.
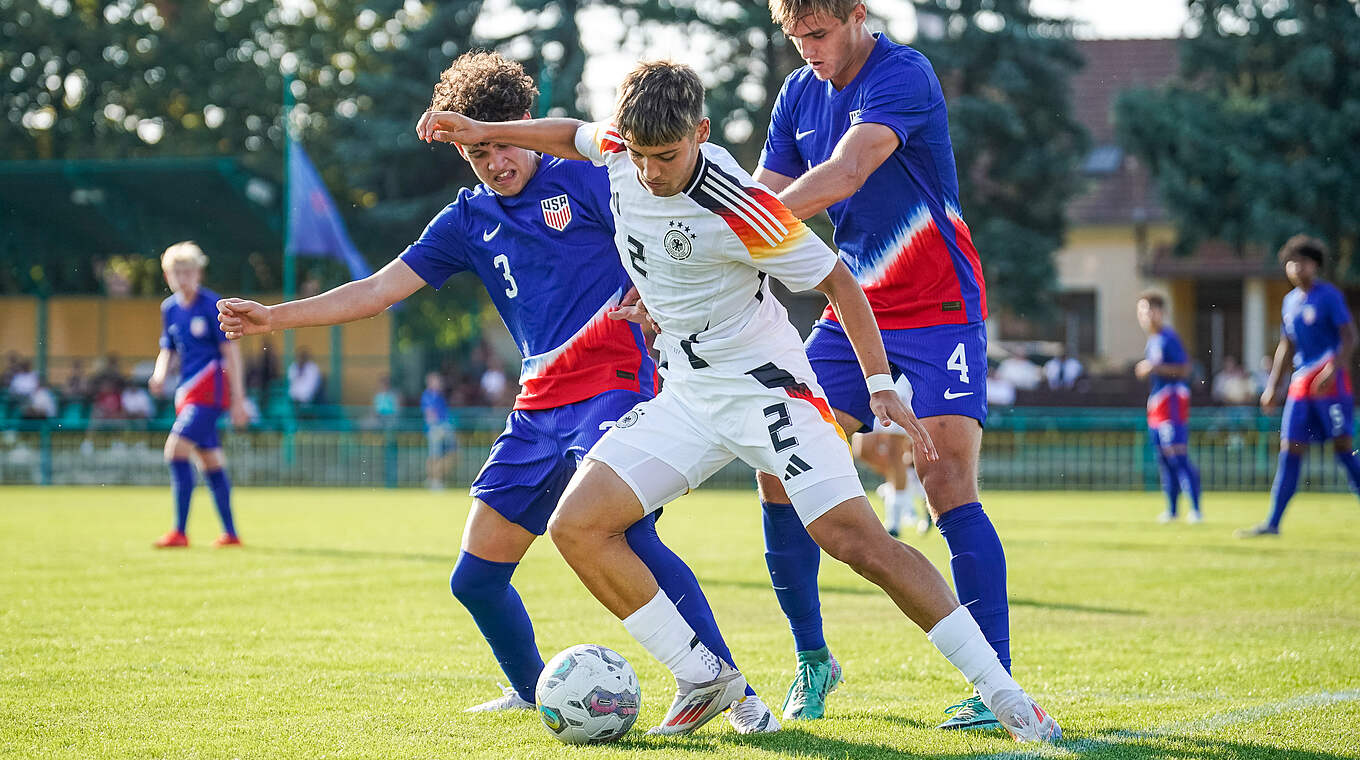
column 108, row 400
column 386, row 404
column 1232, row 384
column 438, row 431
column 77, row 386
column 12, row 365
column 41, row 403
column 110, row 369
column 494, row 385
column 1000, row 391
column 263, row 370
column 136, row 402
column 1020, row 372
column 304, row 379
column 24, row 381
column 1062, row 371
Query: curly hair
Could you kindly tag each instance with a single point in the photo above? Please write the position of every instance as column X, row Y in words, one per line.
column 1304, row 246
column 485, row 86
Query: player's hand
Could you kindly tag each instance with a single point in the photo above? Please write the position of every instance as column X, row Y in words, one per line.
column 239, row 416
column 240, row 317
column 1142, row 369
column 156, row 384
column 1322, row 383
column 1270, row 398
column 448, row 127
column 887, row 407
column 633, row 309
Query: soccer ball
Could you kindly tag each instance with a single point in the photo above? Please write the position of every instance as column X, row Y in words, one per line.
column 588, row 694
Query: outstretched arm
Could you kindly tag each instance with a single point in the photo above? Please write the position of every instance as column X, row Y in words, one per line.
column 852, row 310
column 859, row 153
column 556, row 137
column 353, row 300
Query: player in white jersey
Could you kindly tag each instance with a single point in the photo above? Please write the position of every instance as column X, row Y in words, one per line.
column 887, row 450
column 700, row 235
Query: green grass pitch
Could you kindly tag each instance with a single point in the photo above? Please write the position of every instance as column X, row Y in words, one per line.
column 333, row 633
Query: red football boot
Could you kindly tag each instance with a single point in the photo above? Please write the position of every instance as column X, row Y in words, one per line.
column 172, row 540
column 226, row 539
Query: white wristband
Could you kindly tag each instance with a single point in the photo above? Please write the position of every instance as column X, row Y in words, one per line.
column 880, row 382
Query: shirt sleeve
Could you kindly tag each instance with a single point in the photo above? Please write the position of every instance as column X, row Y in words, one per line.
column 441, row 251
column 780, row 154
column 165, row 342
column 596, row 141
column 901, row 98
column 773, row 240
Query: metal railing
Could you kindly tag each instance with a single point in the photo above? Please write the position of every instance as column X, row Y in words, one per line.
column 1023, row 448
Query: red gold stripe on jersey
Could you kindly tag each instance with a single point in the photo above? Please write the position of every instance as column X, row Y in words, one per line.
column 763, row 224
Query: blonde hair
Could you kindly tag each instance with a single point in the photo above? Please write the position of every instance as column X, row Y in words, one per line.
column 659, row 103
column 787, row 13
column 186, row 252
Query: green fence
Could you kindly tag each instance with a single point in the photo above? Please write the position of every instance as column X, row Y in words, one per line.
column 1027, row 448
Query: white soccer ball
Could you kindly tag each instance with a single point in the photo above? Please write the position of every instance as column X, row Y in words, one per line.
column 588, row 694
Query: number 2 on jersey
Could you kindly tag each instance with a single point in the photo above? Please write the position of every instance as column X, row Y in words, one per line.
column 958, row 362
column 502, row 263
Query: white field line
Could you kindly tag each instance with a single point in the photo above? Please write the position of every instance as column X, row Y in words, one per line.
column 1185, row 729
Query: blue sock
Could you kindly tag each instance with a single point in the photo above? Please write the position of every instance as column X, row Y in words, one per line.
column 1286, row 481
column 681, row 587
column 1351, row 464
column 794, row 559
column 1171, row 482
column 221, row 491
column 182, row 485
column 978, row 564
column 484, row 589
column 1190, row 475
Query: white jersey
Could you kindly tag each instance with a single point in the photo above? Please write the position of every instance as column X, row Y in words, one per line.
column 700, row 258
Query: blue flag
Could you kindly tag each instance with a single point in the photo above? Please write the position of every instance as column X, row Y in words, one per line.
column 314, row 226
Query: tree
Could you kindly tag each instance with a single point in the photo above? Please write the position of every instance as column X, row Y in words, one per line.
column 1258, row 138
column 1017, row 145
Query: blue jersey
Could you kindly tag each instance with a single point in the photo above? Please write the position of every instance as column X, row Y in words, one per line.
column 547, row 258
column 191, row 330
column 902, row 233
column 1169, row 400
column 1312, row 320
column 434, row 407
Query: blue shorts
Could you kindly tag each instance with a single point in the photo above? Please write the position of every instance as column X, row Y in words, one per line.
column 1169, row 434
column 1317, row 419
column 532, row 461
column 946, row 365
column 197, row 424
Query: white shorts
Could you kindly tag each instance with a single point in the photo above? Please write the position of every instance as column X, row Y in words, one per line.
column 903, row 385
column 772, row 416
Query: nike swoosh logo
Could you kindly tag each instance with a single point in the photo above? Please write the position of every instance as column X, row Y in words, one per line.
column 801, row 135
column 486, row 236
column 950, row 395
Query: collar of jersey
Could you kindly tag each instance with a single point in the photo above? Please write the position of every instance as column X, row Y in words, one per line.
column 699, row 167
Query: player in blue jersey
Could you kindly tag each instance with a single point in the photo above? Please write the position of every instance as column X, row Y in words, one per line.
column 862, row 133
column 211, row 379
column 1168, row 407
column 1317, row 330
column 538, row 233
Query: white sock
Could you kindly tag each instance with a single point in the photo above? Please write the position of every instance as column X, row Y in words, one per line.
column 659, row 628
column 892, row 509
column 959, row 639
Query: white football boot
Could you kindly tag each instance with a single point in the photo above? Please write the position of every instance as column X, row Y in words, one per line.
column 697, row 703
column 1025, row 720
column 510, row 700
column 752, row 716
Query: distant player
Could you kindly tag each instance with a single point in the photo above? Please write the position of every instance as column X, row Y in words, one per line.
column 701, row 237
column 1318, row 331
column 439, row 435
column 211, row 379
column 539, row 234
column 888, row 451
column 862, row 133
column 1168, row 407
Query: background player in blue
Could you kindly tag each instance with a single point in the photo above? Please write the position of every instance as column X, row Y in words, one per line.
column 1318, row 331
column 862, row 133
column 1168, row 406
column 539, row 234
column 439, row 435
column 211, row 379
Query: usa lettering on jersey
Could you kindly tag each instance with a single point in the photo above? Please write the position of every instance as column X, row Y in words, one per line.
column 557, row 212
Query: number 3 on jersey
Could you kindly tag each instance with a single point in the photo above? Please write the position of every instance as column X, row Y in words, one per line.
column 958, row 362
column 502, row 263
